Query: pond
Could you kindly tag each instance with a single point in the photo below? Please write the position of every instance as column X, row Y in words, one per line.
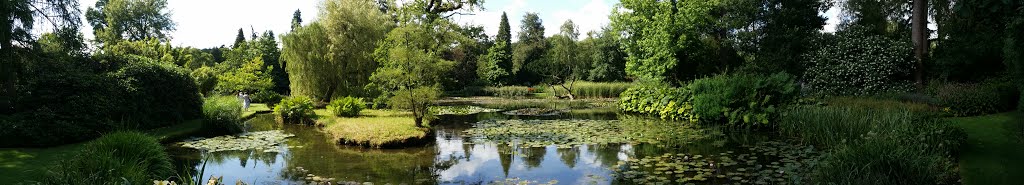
column 459, row 156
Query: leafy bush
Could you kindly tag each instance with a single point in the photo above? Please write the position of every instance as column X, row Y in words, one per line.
column 596, row 89
column 347, row 107
column 749, row 100
column 858, row 63
column 131, row 157
column 222, row 114
column 968, row 99
column 70, row 101
column 206, row 79
column 158, row 94
column 266, row 96
column 508, row 91
column 295, row 109
column 665, row 102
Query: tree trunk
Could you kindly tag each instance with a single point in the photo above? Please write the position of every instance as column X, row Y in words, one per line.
column 919, row 35
column 8, row 73
column 568, row 90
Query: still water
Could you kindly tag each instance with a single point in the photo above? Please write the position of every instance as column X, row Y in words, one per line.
column 449, row 160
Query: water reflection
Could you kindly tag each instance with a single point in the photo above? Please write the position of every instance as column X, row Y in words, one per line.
column 450, row 160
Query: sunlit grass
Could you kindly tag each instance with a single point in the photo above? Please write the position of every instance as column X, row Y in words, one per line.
column 256, row 108
column 374, row 128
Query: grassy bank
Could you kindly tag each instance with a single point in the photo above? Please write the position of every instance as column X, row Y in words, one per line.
column 373, row 128
column 994, row 149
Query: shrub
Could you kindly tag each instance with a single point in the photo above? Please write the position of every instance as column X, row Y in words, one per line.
column 266, row 96
column 665, row 102
column 206, row 79
column 858, row 63
column 596, row 89
column 222, row 114
column 131, row 157
column 295, row 109
column 508, row 91
column 971, row 99
column 158, row 94
column 347, row 107
column 748, row 100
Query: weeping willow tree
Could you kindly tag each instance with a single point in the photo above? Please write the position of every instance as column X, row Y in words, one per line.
column 333, row 56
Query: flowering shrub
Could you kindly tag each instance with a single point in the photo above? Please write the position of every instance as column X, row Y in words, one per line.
column 857, row 63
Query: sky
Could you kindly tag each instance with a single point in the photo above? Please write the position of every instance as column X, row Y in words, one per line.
column 211, row 23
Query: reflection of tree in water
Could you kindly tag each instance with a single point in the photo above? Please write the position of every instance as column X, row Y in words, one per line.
column 505, row 155
column 532, row 156
column 568, row 156
column 607, row 155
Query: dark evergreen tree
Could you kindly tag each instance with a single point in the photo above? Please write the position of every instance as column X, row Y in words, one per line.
column 239, row 39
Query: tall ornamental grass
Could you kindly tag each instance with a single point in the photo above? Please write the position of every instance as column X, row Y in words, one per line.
column 595, row 89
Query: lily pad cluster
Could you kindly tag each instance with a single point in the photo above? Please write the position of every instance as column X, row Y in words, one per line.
column 769, row 162
column 462, row 110
column 568, row 133
column 264, row 141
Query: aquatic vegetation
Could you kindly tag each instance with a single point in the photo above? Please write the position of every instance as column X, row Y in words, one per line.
column 518, row 181
column 568, row 133
column 264, row 141
column 461, row 110
column 534, row 112
column 769, row 162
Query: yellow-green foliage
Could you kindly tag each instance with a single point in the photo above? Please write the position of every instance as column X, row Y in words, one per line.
column 374, row 128
column 594, row 89
column 665, row 102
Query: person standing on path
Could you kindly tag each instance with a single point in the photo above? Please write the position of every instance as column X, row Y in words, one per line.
column 245, row 101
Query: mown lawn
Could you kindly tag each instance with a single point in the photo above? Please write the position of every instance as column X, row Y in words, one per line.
column 995, row 151
column 373, row 128
column 256, row 108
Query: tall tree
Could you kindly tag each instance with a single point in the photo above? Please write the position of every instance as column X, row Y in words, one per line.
column 677, row 41
column 919, row 36
column 17, row 19
column 411, row 59
column 562, row 64
column 296, row 19
column 333, row 55
column 784, row 30
column 239, row 39
column 530, row 48
column 133, row 20
column 503, row 59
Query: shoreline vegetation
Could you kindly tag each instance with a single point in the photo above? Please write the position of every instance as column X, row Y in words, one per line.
column 374, row 128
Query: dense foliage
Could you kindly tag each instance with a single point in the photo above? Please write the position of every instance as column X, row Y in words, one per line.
column 738, row 100
column 748, row 100
column 115, row 158
column 972, row 99
column 157, row 94
column 295, row 109
column 222, row 114
column 347, row 106
column 855, row 62
column 508, row 91
column 876, row 146
column 333, row 56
